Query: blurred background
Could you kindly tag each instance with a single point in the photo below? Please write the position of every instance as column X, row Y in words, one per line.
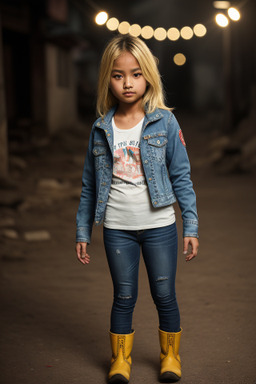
column 54, row 316
column 50, row 52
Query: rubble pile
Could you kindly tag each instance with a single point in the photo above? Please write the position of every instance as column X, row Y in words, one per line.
column 235, row 153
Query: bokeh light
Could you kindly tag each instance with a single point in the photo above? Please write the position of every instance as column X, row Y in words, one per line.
column 112, row 24
column 186, row 33
column 160, row 34
column 135, row 30
column 221, row 4
column 101, row 18
column 221, row 20
column 179, row 59
column 124, row 27
column 173, row 34
column 234, row 14
column 147, row 32
column 200, row 30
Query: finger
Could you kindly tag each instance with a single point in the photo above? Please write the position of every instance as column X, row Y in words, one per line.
column 194, row 249
column 87, row 259
column 185, row 245
column 83, row 250
column 82, row 256
column 78, row 249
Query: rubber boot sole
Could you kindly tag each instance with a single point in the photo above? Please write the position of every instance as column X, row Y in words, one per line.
column 118, row 379
column 169, row 377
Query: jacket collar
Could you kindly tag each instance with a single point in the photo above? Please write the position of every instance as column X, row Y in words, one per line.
column 103, row 123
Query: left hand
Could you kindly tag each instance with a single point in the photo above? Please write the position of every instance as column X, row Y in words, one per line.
column 194, row 243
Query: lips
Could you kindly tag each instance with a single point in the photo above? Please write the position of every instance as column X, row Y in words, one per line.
column 129, row 93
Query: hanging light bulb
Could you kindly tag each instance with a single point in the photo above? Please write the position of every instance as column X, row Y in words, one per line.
column 221, row 20
column 234, row 14
column 101, row 18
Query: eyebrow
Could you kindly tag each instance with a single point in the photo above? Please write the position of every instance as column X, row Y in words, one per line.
column 120, row 71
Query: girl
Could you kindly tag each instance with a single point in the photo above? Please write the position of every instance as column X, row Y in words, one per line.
column 135, row 168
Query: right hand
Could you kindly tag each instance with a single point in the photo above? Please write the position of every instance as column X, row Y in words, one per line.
column 82, row 256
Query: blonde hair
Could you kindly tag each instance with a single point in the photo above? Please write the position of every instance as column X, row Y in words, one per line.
column 154, row 95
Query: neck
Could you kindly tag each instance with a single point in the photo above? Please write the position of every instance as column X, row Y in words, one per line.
column 124, row 109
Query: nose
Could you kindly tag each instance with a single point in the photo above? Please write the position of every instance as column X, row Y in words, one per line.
column 127, row 82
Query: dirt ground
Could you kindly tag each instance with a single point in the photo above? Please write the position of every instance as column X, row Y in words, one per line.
column 55, row 312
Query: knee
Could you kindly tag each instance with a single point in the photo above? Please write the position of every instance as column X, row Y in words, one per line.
column 125, row 296
column 163, row 292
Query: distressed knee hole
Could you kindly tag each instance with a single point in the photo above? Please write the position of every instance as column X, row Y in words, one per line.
column 161, row 278
column 124, row 297
column 118, row 252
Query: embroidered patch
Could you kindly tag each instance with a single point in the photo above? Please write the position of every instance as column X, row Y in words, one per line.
column 182, row 138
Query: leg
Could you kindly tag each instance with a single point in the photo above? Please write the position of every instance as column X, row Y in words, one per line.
column 160, row 255
column 159, row 247
column 123, row 254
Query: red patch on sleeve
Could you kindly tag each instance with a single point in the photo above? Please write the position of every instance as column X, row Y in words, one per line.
column 182, row 138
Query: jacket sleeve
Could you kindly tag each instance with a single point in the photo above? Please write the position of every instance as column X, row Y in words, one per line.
column 86, row 209
column 179, row 172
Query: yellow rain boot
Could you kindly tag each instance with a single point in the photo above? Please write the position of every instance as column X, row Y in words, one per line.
column 169, row 358
column 121, row 358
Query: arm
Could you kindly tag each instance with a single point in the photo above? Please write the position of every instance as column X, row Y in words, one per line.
column 86, row 209
column 179, row 171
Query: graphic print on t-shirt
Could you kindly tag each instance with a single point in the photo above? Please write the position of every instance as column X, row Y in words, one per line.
column 127, row 164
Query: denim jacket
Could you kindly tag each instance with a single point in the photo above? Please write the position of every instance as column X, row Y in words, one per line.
column 166, row 166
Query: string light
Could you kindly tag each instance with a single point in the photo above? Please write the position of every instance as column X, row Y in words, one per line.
column 135, row 30
column 173, row 34
column 199, row 30
column 179, row 59
column 160, row 34
column 186, row 33
column 147, row 32
column 124, row 27
column 101, row 18
column 112, row 24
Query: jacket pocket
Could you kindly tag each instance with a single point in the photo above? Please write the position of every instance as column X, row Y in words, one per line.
column 158, row 141
column 157, row 146
column 99, row 151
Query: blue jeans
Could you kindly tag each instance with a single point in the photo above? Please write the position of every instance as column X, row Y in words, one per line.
column 159, row 250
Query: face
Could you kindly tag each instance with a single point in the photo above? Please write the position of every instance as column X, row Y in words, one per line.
column 127, row 83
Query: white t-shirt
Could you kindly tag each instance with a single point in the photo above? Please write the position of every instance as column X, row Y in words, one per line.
column 129, row 206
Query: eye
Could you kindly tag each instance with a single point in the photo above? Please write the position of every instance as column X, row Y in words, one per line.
column 117, row 76
column 137, row 74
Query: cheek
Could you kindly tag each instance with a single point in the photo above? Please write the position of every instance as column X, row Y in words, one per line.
column 113, row 87
column 144, row 86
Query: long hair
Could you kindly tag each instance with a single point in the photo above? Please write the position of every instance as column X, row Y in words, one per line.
column 154, row 95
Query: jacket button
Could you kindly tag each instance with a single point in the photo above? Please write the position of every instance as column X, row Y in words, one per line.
column 108, row 134
column 155, row 202
column 158, row 141
column 98, row 124
column 97, row 222
column 150, row 179
column 145, row 161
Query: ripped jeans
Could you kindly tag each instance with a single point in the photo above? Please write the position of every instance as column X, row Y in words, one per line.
column 159, row 250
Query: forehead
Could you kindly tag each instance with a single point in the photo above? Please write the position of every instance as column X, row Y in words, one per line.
column 126, row 60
